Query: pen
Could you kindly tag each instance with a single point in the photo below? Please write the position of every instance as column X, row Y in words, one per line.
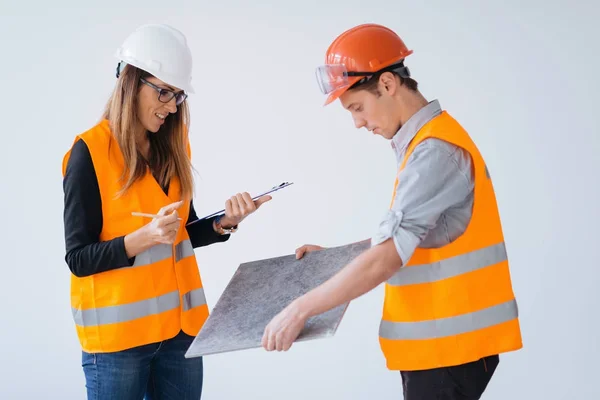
column 140, row 214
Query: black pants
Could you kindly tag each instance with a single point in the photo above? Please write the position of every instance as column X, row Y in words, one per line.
column 464, row 382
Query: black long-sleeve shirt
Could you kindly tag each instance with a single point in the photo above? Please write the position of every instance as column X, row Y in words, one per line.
column 85, row 253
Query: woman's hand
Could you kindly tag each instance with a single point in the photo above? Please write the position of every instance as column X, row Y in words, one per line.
column 239, row 207
column 164, row 228
column 160, row 230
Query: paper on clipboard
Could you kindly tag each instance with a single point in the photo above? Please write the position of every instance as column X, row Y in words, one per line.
column 273, row 189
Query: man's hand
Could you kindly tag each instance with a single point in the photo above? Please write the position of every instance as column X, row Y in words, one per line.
column 307, row 248
column 284, row 329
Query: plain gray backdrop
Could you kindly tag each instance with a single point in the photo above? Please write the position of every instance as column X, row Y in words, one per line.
column 522, row 78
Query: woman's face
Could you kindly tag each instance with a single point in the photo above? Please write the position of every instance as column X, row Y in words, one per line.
column 152, row 112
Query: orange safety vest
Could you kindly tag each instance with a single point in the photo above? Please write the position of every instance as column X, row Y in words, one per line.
column 454, row 304
column 161, row 293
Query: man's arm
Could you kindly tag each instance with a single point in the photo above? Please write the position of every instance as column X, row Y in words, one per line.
column 361, row 275
column 430, row 183
column 433, row 181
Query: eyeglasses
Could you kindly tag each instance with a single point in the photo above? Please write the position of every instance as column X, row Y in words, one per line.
column 166, row 95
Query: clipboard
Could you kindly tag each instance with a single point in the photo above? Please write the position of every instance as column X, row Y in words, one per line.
column 273, row 189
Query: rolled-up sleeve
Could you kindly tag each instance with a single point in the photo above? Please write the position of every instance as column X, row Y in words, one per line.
column 436, row 177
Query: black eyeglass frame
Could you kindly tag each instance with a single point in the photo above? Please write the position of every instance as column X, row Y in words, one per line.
column 166, row 93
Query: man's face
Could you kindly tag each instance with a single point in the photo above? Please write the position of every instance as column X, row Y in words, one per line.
column 374, row 112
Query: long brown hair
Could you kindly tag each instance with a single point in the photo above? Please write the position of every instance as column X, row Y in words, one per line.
column 168, row 155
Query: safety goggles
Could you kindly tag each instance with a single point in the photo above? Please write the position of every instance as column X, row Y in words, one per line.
column 332, row 77
column 166, row 95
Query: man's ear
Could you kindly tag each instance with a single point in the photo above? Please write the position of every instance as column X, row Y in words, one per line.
column 388, row 82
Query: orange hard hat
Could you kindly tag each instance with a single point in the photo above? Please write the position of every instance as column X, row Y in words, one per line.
column 357, row 54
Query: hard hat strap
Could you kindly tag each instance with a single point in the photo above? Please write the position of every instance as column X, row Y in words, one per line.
column 120, row 66
column 398, row 68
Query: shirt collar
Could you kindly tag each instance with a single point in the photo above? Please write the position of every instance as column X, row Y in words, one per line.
column 408, row 131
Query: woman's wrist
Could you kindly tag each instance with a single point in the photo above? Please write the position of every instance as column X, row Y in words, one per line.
column 223, row 225
column 226, row 222
column 138, row 241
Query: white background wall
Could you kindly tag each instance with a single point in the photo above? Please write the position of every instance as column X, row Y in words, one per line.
column 523, row 81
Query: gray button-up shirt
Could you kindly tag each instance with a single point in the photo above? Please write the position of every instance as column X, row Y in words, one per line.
column 434, row 198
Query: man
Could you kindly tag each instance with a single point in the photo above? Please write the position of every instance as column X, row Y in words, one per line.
column 449, row 308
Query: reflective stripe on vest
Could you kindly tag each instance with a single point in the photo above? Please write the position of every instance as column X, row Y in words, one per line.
column 162, row 252
column 449, row 267
column 139, row 309
column 443, row 327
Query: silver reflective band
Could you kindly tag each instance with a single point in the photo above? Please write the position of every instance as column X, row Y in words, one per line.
column 443, row 327
column 450, row 267
column 139, row 309
column 126, row 312
column 183, row 250
column 162, row 252
column 193, row 298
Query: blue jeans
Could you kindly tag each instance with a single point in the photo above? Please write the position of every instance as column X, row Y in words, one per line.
column 157, row 371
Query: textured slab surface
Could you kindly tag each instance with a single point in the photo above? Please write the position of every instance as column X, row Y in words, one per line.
column 259, row 290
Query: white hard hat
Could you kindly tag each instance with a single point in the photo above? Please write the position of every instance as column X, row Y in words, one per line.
column 162, row 51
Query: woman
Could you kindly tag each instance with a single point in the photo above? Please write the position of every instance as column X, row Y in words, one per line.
column 136, row 292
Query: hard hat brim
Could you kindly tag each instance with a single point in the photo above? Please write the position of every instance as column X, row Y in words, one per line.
column 186, row 87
